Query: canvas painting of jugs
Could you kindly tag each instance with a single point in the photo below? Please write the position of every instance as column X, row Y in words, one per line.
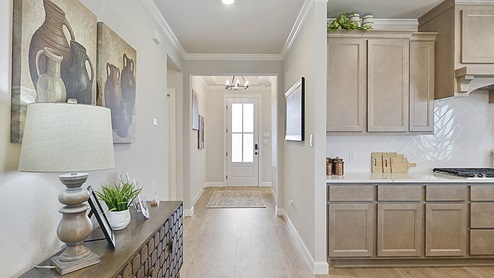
column 116, row 82
column 53, row 52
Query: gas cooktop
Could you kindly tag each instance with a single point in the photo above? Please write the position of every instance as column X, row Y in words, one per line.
column 467, row 172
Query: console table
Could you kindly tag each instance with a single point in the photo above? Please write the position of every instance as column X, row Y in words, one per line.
column 146, row 248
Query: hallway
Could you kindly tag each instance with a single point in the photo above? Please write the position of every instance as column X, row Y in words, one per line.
column 251, row 242
column 255, row 243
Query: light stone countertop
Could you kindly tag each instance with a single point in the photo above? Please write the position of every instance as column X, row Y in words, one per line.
column 413, row 177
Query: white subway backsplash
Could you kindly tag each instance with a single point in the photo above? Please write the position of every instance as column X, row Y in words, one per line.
column 463, row 137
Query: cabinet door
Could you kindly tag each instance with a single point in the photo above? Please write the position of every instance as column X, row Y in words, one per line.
column 350, row 230
column 346, row 96
column 388, row 84
column 421, row 86
column 399, row 229
column 445, row 229
column 477, row 43
column 482, row 242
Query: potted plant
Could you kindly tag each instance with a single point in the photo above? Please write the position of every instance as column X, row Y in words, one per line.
column 344, row 22
column 118, row 198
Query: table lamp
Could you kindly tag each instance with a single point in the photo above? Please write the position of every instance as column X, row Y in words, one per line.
column 69, row 138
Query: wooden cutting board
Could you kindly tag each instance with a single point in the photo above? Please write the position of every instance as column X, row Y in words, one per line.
column 400, row 164
column 377, row 161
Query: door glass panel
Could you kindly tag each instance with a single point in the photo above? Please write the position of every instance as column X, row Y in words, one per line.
column 236, row 147
column 248, row 148
column 248, row 117
column 237, row 117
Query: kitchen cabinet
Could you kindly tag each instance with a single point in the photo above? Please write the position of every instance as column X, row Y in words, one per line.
column 351, row 221
column 446, row 220
column 422, row 83
column 351, row 230
column 399, row 221
column 399, row 230
column 465, row 61
column 380, row 81
column 481, row 220
column 446, row 229
column 379, row 224
column 347, row 82
column 387, row 84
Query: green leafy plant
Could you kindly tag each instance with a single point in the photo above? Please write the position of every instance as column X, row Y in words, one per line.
column 118, row 197
column 343, row 22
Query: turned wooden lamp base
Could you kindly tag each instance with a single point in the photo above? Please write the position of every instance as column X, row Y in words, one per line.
column 74, row 227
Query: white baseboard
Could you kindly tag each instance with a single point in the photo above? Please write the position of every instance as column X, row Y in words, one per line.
column 316, row 267
column 265, row 184
column 189, row 212
column 214, row 184
column 275, row 196
column 279, row 211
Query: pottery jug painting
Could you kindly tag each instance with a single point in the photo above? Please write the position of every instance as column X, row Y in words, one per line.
column 116, row 82
column 53, row 46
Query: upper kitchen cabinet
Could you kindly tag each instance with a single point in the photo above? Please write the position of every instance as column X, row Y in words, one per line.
column 380, row 81
column 465, row 61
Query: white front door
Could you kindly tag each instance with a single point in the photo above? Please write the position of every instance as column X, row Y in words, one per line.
column 242, row 136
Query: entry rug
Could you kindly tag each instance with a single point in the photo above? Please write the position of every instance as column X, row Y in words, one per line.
column 236, row 199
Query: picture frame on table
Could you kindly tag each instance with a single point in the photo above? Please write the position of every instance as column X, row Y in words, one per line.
column 101, row 217
column 143, row 206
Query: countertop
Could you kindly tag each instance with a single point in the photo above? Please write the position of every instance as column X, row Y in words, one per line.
column 413, row 177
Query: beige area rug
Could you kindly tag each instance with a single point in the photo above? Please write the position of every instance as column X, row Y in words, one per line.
column 236, row 199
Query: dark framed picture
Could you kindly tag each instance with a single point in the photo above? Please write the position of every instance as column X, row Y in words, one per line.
column 101, row 217
column 295, row 111
column 195, row 110
column 200, row 134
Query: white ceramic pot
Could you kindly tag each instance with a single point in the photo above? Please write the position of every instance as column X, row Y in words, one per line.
column 118, row 219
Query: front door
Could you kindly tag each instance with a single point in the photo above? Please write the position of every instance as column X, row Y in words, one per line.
column 243, row 147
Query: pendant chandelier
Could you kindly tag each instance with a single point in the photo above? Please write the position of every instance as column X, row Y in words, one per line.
column 235, row 85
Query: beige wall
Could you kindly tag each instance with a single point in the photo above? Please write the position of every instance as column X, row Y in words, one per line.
column 304, row 178
column 29, row 205
column 215, row 133
column 198, row 157
column 214, row 68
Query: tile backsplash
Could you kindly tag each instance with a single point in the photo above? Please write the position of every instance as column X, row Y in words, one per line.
column 463, row 137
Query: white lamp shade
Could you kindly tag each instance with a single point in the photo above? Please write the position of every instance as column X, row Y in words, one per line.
column 63, row 137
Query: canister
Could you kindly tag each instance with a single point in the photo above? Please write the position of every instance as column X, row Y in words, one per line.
column 338, row 166
column 329, row 166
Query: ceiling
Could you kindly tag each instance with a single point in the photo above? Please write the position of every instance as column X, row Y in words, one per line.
column 262, row 26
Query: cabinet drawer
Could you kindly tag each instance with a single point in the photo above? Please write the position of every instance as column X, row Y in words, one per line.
column 482, row 193
column 351, row 193
column 482, row 215
column 482, row 242
column 446, row 193
column 399, row 193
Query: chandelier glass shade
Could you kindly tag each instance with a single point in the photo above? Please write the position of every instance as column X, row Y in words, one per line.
column 235, row 85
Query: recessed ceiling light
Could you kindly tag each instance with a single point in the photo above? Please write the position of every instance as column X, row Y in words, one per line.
column 227, row 2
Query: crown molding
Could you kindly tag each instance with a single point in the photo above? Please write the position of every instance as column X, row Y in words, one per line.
column 160, row 19
column 233, row 57
column 299, row 22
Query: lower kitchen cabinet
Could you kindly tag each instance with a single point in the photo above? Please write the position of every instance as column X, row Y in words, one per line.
column 399, row 230
column 446, row 229
column 416, row 224
column 482, row 242
column 351, row 230
column 482, row 220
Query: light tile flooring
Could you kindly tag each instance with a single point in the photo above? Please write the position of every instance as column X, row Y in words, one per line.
column 254, row 242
